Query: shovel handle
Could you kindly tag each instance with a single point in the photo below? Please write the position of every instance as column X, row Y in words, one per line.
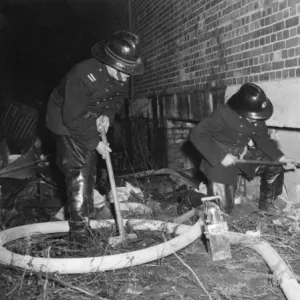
column 113, row 187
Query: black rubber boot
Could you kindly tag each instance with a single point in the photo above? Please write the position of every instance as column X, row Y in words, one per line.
column 271, row 185
column 189, row 199
column 228, row 201
column 79, row 232
column 226, row 192
column 272, row 178
column 78, row 166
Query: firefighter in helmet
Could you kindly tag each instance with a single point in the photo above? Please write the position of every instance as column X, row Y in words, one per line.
column 83, row 104
column 233, row 130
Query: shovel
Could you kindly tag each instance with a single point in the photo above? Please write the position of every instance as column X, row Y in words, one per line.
column 123, row 237
column 263, row 162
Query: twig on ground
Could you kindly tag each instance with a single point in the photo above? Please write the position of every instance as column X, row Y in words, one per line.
column 283, row 246
column 69, row 285
column 266, row 275
column 192, row 271
column 16, row 287
column 137, row 196
column 93, row 236
column 23, row 275
column 46, row 281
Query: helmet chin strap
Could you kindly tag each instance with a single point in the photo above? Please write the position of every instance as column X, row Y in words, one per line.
column 251, row 120
column 119, row 76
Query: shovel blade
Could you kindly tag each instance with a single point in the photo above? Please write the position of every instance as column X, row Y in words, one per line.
column 117, row 240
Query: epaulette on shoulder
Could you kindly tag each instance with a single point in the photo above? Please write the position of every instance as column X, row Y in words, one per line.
column 91, row 71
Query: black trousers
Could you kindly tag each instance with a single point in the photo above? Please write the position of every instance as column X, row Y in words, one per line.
column 78, row 166
column 271, row 184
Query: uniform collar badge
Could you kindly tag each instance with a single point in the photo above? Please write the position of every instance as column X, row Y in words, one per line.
column 91, row 77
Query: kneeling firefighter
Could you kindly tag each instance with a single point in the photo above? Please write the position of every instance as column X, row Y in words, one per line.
column 84, row 103
column 224, row 136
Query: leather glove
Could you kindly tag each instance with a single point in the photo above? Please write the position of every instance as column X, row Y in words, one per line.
column 102, row 149
column 229, row 160
column 290, row 163
column 102, row 123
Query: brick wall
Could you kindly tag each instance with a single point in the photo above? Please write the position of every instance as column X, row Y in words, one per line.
column 197, row 43
column 200, row 45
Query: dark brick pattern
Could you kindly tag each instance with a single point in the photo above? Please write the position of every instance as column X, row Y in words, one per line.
column 194, row 44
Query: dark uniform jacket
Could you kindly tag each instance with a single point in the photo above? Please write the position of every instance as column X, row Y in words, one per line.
column 86, row 92
column 223, row 132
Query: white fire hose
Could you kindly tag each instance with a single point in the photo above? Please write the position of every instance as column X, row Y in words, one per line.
column 186, row 235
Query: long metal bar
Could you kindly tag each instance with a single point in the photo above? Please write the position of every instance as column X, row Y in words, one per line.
column 263, row 162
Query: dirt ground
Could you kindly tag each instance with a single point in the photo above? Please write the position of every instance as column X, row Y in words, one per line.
column 190, row 274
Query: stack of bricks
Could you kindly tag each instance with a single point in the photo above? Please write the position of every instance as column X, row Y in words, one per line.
column 177, row 136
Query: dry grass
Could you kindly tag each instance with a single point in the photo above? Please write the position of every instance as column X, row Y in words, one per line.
column 190, row 274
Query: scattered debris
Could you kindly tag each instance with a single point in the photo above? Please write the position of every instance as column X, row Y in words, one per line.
column 149, row 279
